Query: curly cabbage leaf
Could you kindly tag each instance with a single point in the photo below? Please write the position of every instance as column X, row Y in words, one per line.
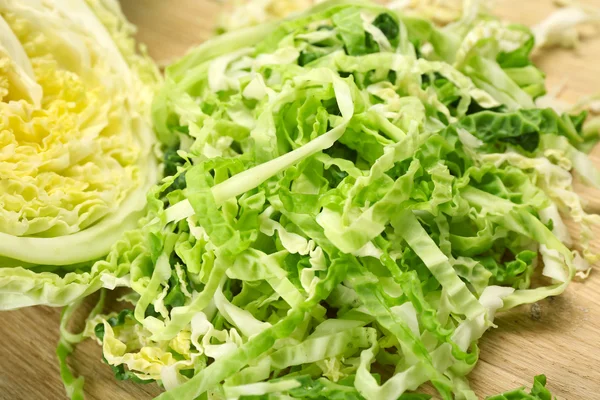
column 76, row 158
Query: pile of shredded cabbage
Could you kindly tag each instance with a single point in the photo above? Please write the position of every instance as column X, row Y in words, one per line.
column 76, row 147
column 350, row 197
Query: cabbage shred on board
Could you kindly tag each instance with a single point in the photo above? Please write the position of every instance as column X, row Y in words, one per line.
column 350, row 197
column 76, row 148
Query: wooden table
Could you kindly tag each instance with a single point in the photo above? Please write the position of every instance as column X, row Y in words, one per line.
column 559, row 337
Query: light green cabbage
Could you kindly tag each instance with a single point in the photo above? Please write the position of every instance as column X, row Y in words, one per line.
column 76, row 146
column 352, row 195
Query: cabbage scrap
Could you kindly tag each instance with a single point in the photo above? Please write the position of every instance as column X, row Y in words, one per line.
column 441, row 12
column 244, row 13
column 351, row 196
column 537, row 392
column 561, row 28
column 76, row 147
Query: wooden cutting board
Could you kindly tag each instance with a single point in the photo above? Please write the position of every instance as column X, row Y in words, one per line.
column 558, row 337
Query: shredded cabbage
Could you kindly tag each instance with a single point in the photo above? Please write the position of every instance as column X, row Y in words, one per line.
column 352, row 195
column 76, row 146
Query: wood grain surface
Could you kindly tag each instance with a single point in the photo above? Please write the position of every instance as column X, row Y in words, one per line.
column 558, row 337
